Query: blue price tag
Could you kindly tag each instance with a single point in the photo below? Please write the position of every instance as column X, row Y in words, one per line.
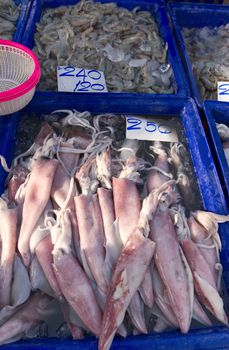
column 72, row 79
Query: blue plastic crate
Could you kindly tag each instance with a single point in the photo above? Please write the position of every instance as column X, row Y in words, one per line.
column 21, row 21
column 8, row 129
column 209, row 186
column 195, row 16
column 157, row 9
column 218, row 112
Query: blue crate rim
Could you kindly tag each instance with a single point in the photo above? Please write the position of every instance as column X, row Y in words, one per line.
column 204, row 339
column 21, row 21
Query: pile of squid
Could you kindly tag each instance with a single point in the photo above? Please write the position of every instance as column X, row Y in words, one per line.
column 90, row 227
column 208, row 51
column 223, row 131
column 9, row 13
column 125, row 45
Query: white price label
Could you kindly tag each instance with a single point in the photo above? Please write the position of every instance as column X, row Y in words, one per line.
column 223, row 91
column 150, row 129
column 72, row 79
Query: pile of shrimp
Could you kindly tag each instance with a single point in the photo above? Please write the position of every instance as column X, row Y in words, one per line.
column 9, row 13
column 223, row 131
column 125, row 45
column 208, row 51
column 113, row 240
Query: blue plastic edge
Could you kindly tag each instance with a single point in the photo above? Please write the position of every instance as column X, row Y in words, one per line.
column 187, row 9
column 211, row 108
column 164, row 27
column 8, row 124
column 210, row 189
column 22, row 20
column 8, row 130
column 205, row 339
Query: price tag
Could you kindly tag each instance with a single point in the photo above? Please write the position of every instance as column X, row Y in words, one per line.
column 150, row 129
column 223, row 91
column 71, row 79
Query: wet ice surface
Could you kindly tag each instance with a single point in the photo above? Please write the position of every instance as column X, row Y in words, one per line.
column 125, row 45
column 208, row 51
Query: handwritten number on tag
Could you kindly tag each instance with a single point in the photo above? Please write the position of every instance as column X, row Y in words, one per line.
column 141, row 128
column 74, row 79
column 94, row 74
column 224, row 89
column 150, row 126
column 97, row 87
column 81, row 74
column 83, row 86
column 68, row 70
column 135, row 122
column 164, row 129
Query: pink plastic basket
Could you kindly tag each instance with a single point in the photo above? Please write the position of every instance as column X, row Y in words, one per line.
column 19, row 75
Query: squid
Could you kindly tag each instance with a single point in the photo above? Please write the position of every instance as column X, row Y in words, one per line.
column 162, row 299
column 207, row 246
column 41, row 247
column 170, row 266
column 127, row 277
column 68, row 163
column 91, row 229
column 129, row 272
column 160, row 174
column 113, row 244
column 20, row 290
column 204, row 280
column 73, row 282
column 179, row 157
column 127, row 215
column 64, row 188
column 92, row 236
column 74, row 323
column 43, row 251
column 19, row 175
column 36, row 197
column 8, row 233
column 38, row 279
column 27, row 317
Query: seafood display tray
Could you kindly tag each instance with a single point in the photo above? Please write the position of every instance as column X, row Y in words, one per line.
column 195, row 15
column 21, row 22
column 185, row 110
column 218, row 112
column 157, row 9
